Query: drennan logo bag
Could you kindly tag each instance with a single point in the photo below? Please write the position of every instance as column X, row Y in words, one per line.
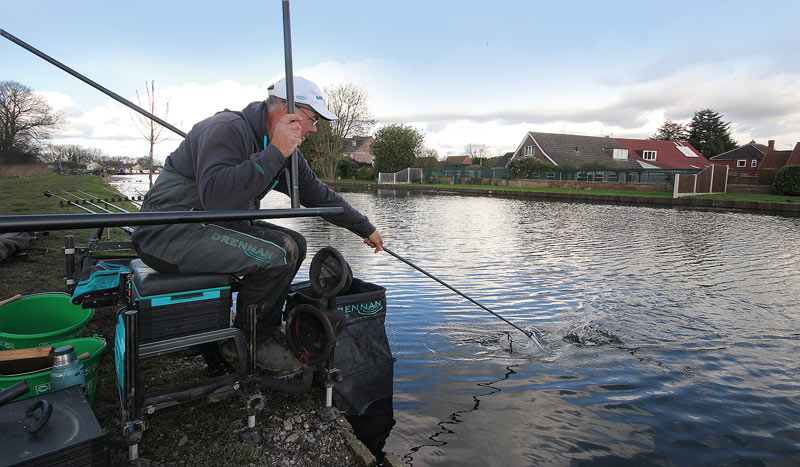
column 336, row 321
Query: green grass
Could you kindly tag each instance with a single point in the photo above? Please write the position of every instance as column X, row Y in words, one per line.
column 755, row 197
column 44, row 269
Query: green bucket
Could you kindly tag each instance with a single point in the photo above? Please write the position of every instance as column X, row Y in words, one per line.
column 39, row 382
column 39, row 320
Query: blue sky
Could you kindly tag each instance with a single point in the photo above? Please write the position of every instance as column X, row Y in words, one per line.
column 461, row 71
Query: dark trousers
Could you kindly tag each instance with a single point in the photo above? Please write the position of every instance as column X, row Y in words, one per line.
column 264, row 255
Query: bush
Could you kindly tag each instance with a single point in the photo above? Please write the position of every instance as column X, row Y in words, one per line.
column 365, row 173
column 787, row 181
column 346, row 168
column 520, row 167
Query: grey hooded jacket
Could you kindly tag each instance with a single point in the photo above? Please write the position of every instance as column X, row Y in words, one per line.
column 222, row 164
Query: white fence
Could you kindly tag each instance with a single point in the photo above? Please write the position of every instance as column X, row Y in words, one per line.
column 404, row 176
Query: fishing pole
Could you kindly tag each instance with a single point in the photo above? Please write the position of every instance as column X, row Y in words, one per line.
column 50, row 193
column 98, row 200
column 82, row 221
column 127, row 198
column 528, row 333
column 90, row 203
column 287, row 53
column 91, row 83
column 294, row 192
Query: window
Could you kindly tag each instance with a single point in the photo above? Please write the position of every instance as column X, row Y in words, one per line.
column 741, row 163
column 754, row 163
column 529, row 151
column 649, row 155
column 620, row 154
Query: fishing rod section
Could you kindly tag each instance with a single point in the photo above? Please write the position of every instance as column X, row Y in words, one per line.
column 41, row 222
column 527, row 332
column 88, row 81
column 294, row 189
column 287, row 53
column 80, row 206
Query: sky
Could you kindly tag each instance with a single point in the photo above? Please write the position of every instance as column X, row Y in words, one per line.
column 460, row 71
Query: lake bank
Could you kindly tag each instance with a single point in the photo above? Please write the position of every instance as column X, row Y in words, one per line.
column 634, row 198
column 196, row 433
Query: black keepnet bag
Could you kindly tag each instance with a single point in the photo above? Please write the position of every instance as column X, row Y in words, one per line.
column 355, row 316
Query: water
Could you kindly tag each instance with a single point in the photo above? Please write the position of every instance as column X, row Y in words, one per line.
column 672, row 336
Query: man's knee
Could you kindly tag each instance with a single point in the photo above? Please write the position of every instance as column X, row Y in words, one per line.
column 300, row 245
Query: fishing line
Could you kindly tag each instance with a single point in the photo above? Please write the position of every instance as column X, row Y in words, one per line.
column 528, row 332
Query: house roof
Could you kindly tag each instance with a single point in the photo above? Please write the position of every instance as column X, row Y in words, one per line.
column 794, row 159
column 775, row 159
column 354, row 144
column 748, row 151
column 503, row 160
column 579, row 151
column 668, row 153
column 458, row 160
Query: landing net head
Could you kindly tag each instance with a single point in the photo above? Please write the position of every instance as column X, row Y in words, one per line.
column 526, row 343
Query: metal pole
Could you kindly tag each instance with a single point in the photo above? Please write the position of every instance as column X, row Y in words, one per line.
column 91, row 83
column 41, row 222
column 294, row 192
column 527, row 333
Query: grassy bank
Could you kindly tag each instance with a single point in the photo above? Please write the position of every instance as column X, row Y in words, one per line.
column 749, row 197
column 197, row 433
column 44, row 268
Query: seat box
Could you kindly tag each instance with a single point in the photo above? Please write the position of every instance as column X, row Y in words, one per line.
column 175, row 305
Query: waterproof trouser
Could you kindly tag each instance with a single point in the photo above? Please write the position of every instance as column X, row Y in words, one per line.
column 264, row 255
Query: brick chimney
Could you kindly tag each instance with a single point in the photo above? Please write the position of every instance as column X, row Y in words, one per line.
column 771, row 145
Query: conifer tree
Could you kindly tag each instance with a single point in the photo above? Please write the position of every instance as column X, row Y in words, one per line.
column 709, row 134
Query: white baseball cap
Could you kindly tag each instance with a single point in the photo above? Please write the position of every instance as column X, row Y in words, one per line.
column 305, row 92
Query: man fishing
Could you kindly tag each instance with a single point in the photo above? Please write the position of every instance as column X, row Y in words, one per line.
column 231, row 161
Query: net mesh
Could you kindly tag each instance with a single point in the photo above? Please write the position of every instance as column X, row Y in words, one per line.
column 329, row 272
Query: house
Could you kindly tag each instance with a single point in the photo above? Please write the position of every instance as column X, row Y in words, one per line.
column 457, row 160
column 503, row 160
column 748, row 156
column 659, row 154
column 578, row 151
column 575, row 151
column 358, row 149
column 136, row 169
column 776, row 159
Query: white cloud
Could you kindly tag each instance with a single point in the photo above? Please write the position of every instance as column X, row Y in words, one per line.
column 455, row 106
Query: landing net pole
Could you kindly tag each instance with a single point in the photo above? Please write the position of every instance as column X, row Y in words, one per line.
column 530, row 334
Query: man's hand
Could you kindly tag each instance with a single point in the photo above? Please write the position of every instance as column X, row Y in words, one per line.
column 287, row 135
column 375, row 241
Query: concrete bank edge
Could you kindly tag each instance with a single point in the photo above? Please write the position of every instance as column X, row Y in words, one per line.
column 751, row 206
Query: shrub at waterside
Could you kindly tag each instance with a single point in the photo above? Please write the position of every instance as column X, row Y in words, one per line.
column 787, row 181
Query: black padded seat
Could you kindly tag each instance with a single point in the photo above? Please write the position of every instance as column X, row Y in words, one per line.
column 149, row 282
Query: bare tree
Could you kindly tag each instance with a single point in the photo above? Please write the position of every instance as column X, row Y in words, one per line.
column 147, row 127
column 350, row 103
column 25, row 121
column 71, row 154
column 476, row 152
